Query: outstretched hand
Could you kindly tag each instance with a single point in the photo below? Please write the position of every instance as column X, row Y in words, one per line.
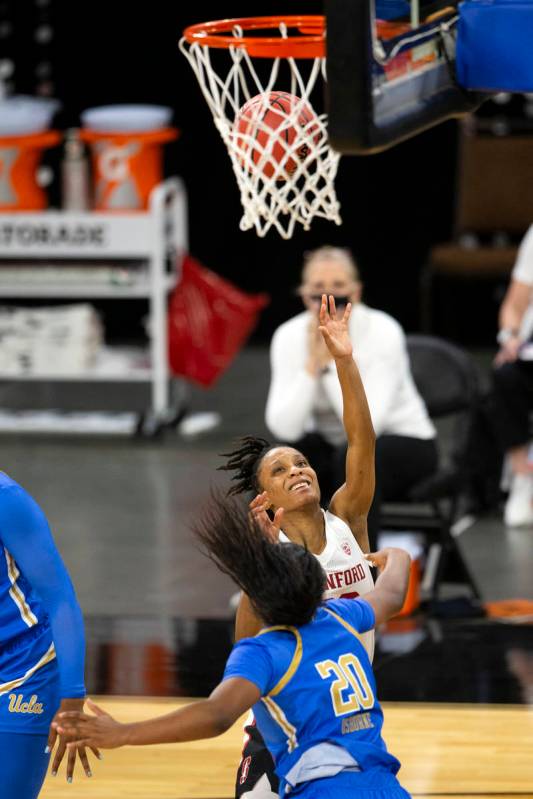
column 100, row 730
column 258, row 512
column 335, row 331
column 380, row 558
column 61, row 741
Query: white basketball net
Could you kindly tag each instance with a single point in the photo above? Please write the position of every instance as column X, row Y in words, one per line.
column 270, row 197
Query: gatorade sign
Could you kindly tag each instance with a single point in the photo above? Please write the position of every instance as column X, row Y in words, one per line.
column 26, row 234
column 57, row 234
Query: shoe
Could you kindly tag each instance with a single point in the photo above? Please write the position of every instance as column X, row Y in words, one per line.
column 518, row 508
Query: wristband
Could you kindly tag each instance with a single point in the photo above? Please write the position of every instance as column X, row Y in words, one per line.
column 506, row 334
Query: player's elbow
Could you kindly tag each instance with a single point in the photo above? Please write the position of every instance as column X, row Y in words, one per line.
column 219, row 717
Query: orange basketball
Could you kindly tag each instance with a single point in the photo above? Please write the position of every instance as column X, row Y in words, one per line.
column 257, row 118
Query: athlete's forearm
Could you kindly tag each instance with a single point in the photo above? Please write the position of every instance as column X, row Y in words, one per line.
column 191, row 723
column 356, row 414
column 395, row 575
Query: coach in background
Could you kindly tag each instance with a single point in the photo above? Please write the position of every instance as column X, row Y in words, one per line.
column 304, row 406
column 512, row 398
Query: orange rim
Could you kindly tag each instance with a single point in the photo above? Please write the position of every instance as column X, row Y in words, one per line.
column 308, row 42
column 159, row 136
column 47, row 138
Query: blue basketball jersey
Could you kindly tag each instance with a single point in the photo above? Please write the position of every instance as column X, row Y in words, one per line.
column 319, row 714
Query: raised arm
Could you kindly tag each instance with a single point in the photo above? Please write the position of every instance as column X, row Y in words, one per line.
column 388, row 595
column 247, row 622
column 352, row 500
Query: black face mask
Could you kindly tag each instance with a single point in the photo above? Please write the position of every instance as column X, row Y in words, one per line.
column 341, row 301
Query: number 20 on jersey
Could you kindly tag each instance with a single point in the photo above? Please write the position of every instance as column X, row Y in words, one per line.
column 350, row 691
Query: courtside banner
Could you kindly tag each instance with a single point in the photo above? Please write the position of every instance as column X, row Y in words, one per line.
column 495, row 45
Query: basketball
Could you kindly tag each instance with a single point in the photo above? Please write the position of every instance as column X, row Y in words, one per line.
column 269, row 131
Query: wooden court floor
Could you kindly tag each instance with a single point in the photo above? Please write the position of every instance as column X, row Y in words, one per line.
column 466, row 751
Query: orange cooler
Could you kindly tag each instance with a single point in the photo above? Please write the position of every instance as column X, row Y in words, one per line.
column 126, row 166
column 20, row 157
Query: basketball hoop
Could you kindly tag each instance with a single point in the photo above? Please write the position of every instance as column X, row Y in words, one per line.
column 265, row 113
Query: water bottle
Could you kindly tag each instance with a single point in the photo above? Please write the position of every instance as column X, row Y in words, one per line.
column 74, row 174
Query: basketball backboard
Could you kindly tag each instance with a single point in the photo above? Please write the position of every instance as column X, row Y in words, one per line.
column 387, row 80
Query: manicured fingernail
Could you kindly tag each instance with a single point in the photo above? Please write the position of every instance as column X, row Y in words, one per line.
column 89, row 774
column 47, row 750
column 69, row 779
column 54, row 773
column 100, row 756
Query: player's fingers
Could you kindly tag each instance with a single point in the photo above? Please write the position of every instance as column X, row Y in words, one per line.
column 73, row 745
column 71, row 762
column 323, row 315
column 96, row 752
column 255, row 501
column 278, row 516
column 259, row 500
column 52, row 737
column 347, row 312
column 98, row 711
column 332, row 309
column 82, row 754
column 259, row 516
column 60, row 751
column 259, row 504
column 77, row 715
column 376, row 559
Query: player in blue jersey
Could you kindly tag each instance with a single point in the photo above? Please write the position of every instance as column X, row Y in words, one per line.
column 42, row 647
column 307, row 674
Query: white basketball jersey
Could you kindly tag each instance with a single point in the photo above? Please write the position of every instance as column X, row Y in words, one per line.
column 347, row 571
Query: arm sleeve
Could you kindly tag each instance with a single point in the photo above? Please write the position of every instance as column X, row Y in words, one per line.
column 26, row 535
column 291, row 393
column 250, row 659
column 523, row 268
column 356, row 612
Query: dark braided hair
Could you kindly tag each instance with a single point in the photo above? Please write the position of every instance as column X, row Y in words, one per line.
column 245, row 461
column 284, row 582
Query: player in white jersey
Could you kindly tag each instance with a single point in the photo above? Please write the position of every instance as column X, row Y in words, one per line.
column 347, row 570
column 287, row 506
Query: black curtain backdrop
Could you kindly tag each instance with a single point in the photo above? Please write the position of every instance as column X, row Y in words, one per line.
column 394, row 205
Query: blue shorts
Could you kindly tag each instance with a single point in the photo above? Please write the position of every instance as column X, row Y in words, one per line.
column 29, row 691
column 373, row 784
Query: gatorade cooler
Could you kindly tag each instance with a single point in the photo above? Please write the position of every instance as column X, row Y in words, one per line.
column 127, row 156
column 23, row 137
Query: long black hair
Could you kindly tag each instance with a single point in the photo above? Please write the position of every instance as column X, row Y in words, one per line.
column 284, row 582
column 244, row 462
